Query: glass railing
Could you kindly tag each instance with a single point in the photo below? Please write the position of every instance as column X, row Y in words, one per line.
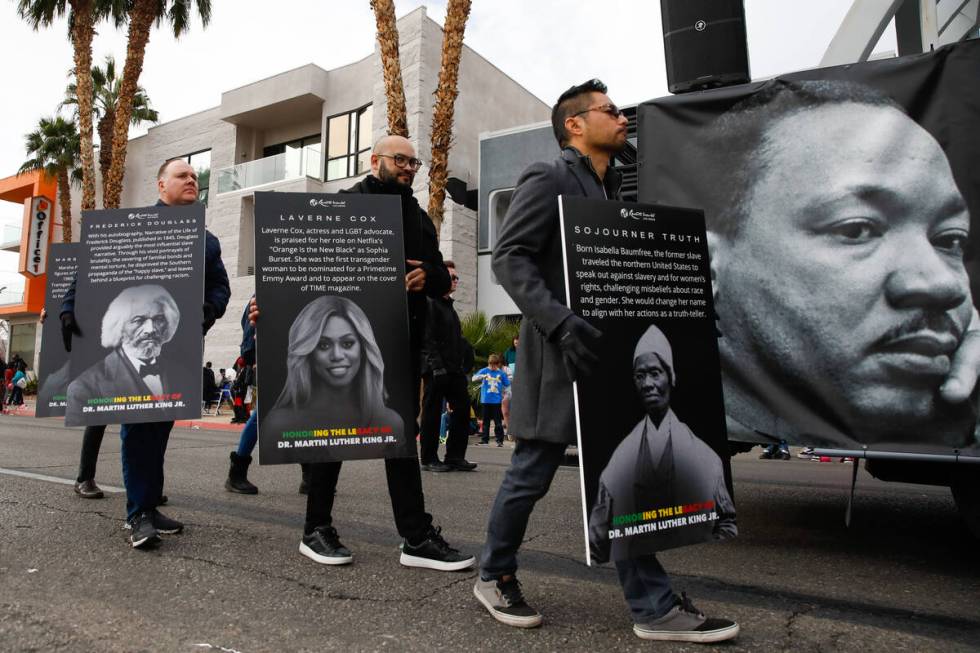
column 291, row 164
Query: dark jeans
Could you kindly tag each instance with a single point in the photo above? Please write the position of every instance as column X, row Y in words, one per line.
column 492, row 412
column 646, row 585
column 91, row 443
column 452, row 387
column 144, row 447
column 404, row 488
column 250, row 435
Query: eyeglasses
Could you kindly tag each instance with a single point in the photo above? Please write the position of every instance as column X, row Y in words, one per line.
column 610, row 109
column 403, row 161
column 454, row 277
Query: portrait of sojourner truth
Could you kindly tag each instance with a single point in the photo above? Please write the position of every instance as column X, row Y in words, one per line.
column 837, row 235
column 334, row 372
column 136, row 325
column 660, row 463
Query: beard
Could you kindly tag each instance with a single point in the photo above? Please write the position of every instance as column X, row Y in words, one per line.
column 389, row 179
column 145, row 349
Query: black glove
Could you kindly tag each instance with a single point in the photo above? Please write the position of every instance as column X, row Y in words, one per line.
column 210, row 315
column 68, row 327
column 575, row 337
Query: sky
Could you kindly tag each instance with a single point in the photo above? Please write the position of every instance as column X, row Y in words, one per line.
column 545, row 45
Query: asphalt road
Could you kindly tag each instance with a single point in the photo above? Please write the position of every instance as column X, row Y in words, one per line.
column 904, row 576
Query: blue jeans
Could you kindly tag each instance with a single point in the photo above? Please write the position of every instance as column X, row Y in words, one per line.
column 646, row 586
column 143, row 449
column 250, row 435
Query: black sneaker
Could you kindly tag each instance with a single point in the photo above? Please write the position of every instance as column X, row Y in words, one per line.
column 505, row 602
column 165, row 524
column 436, row 466
column 144, row 533
column 460, row 464
column 323, row 546
column 435, row 553
column 685, row 623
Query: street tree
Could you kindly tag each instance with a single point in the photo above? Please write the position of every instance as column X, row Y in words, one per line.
column 106, row 88
column 442, row 113
column 140, row 15
column 54, row 149
column 82, row 18
column 384, row 14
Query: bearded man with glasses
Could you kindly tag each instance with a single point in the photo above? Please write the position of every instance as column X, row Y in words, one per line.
column 393, row 168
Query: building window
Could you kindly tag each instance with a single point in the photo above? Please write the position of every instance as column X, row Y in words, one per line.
column 301, row 157
column 349, row 143
column 201, row 162
column 22, row 340
column 499, row 202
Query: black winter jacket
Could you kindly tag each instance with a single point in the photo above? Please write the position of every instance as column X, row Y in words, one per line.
column 421, row 244
column 444, row 347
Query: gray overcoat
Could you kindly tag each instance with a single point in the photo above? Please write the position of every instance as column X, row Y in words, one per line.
column 527, row 260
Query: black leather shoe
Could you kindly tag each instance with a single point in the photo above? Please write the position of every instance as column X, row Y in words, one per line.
column 436, row 466
column 460, row 464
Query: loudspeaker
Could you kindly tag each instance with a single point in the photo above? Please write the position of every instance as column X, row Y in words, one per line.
column 704, row 44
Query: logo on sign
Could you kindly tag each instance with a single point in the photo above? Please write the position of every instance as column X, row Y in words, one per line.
column 700, row 25
column 637, row 215
column 327, row 203
column 142, row 216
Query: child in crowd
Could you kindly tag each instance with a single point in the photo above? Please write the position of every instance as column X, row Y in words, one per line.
column 491, row 394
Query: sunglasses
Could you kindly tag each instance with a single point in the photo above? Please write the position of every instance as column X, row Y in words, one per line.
column 610, row 109
column 402, row 161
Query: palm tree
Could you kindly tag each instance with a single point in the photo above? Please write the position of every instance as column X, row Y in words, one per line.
column 442, row 114
column 82, row 18
column 384, row 15
column 54, row 148
column 141, row 14
column 106, row 99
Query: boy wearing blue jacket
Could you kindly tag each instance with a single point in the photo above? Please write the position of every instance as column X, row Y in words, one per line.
column 491, row 395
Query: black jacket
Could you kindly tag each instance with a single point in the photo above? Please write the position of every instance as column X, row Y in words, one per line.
column 527, row 260
column 444, row 347
column 421, row 244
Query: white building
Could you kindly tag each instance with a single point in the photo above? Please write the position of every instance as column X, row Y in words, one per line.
column 311, row 130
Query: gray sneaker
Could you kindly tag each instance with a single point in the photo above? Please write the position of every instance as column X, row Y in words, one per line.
column 505, row 602
column 685, row 623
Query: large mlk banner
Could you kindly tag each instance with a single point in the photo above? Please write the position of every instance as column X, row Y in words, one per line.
column 53, row 365
column 838, row 205
column 650, row 418
column 333, row 345
column 138, row 304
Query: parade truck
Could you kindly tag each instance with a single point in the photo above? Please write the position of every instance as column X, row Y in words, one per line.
column 838, row 204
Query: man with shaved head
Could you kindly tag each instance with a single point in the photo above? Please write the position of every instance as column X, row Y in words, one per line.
column 393, row 168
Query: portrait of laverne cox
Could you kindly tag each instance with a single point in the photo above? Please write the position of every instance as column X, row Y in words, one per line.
column 334, row 372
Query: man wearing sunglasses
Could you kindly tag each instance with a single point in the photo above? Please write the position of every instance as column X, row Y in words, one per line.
column 556, row 348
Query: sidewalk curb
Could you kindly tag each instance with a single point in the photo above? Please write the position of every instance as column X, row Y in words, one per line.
column 207, row 426
column 183, row 423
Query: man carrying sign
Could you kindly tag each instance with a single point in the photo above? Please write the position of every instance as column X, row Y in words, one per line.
column 556, row 347
column 393, row 168
column 144, row 445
